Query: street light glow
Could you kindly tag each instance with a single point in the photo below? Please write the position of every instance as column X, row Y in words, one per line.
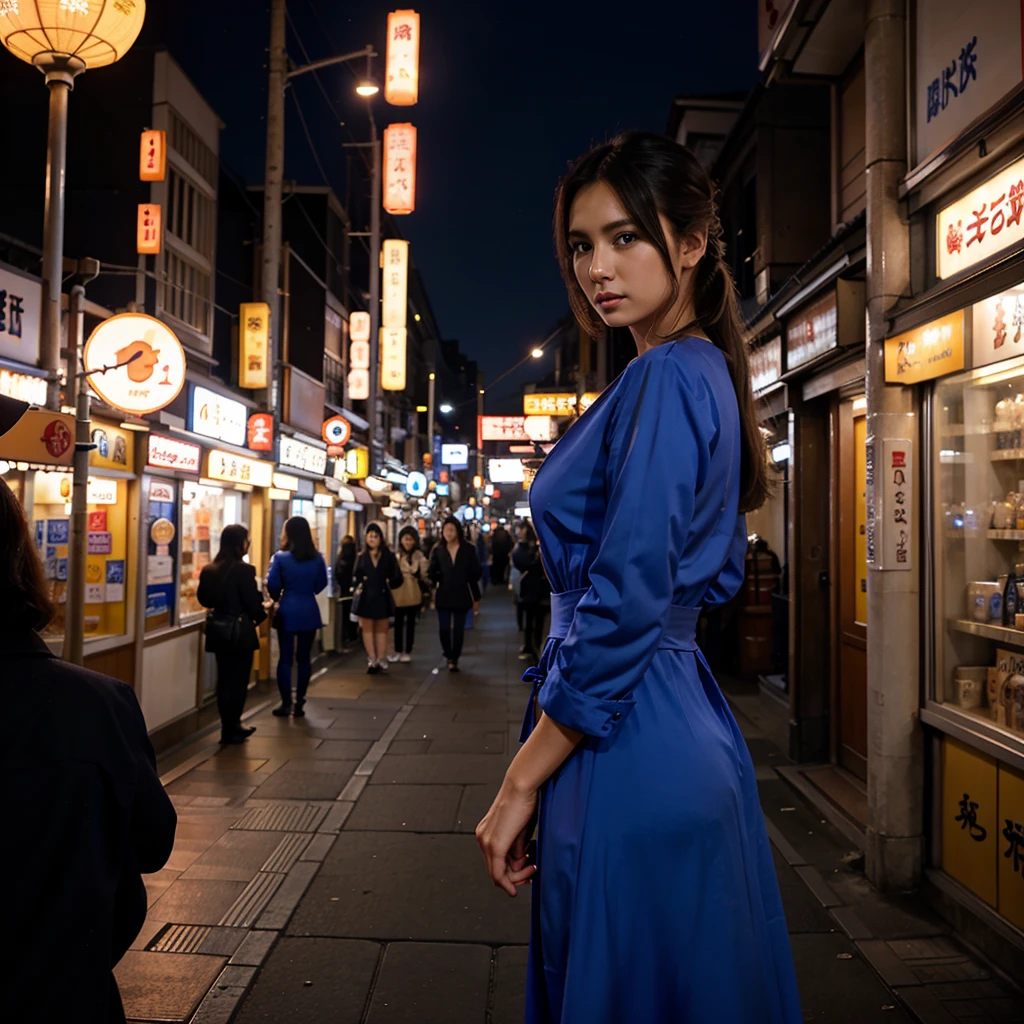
column 537, row 353
column 367, row 87
column 446, row 408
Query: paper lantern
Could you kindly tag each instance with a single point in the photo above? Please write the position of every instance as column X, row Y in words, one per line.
column 395, row 264
column 401, row 89
column 392, row 358
column 150, row 230
column 400, row 168
column 359, row 326
column 153, row 155
column 92, row 32
column 253, row 344
column 359, row 385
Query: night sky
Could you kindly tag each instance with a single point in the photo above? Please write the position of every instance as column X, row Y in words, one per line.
column 509, row 94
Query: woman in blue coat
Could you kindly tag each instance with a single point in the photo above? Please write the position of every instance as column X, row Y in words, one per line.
column 655, row 897
column 297, row 574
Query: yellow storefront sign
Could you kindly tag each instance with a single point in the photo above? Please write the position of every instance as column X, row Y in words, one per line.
column 970, row 819
column 115, row 447
column 35, row 435
column 1011, row 845
column 556, row 404
column 235, row 469
column 926, row 352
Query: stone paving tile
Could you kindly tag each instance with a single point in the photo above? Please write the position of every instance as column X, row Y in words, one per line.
column 336, row 750
column 325, row 766
column 149, row 931
column 475, row 803
column 158, row 883
column 197, row 901
column 435, row 769
column 303, row 786
column 375, row 885
column 240, row 784
column 413, row 975
column 340, row 972
column 223, row 941
column 232, row 765
column 427, row 713
column 489, row 742
column 803, row 912
column 165, row 986
column 282, row 747
column 406, row 747
column 361, row 732
column 509, row 1001
column 236, row 856
column 406, row 809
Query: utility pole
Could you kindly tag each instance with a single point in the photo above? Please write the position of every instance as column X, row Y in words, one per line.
column 273, row 177
column 375, row 188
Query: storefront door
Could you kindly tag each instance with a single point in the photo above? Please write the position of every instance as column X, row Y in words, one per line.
column 850, row 592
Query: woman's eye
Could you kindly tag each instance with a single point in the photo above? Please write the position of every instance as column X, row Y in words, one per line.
column 627, row 237
column 580, row 247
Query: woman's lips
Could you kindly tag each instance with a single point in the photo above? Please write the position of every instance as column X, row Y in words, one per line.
column 607, row 302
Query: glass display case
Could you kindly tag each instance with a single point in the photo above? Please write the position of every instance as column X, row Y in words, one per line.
column 978, row 549
column 205, row 511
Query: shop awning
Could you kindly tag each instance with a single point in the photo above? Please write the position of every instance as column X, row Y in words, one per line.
column 362, row 495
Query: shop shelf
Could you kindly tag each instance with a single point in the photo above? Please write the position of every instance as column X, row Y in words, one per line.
column 1007, row 454
column 1004, row 634
column 1005, row 534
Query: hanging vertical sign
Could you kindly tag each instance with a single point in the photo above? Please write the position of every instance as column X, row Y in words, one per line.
column 395, row 262
column 359, row 356
column 890, row 488
column 401, row 89
column 149, row 231
column 153, row 155
column 253, row 342
column 392, row 358
column 400, row 168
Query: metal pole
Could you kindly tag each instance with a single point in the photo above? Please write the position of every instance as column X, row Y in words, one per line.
column 375, row 187
column 479, row 413
column 74, row 609
column 59, row 81
column 273, row 177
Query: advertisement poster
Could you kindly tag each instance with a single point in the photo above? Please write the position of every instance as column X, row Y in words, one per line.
column 62, row 568
column 94, row 593
column 100, row 543
column 57, row 531
column 98, row 521
column 40, row 533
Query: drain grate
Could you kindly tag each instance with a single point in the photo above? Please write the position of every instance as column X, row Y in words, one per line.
column 287, row 853
column 284, row 818
column 180, row 938
column 251, row 901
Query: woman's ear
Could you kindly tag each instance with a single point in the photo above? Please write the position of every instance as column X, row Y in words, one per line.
column 690, row 249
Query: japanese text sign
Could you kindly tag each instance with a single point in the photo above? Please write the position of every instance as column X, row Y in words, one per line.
column 260, row 432
column 392, row 358
column 563, row 404
column 890, row 507
column 514, row 428
column 303, row 456
column 981, row 223
column 235, row 469
column 170, row 453
column 968, row 58
column 253, row 343
column 395, row 264
column 150, row 229
column 359, row 328
column 217, row 416
column 401, row 88
column 929, row 351
column 766, row 364
column 400, row 168
column 21, row 299
column 812, row 331
column 153, row 155
column 998, row 328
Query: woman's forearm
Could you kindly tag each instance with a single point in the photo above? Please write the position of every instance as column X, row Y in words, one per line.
column 541, row 755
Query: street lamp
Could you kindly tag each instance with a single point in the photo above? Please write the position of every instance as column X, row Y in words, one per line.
column 537, row 353
column 63, row 40
column 446, row 408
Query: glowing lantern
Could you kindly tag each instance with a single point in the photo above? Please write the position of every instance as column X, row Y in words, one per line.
column 392, row 358
column 395, row 263
column 253, row 344
column 91, row 33
column 359, row 327
column 153, row 155
column 400, row 168
column 149, row 230
column 401, row 89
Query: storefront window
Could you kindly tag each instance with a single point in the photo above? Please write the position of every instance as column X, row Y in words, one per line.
column 160, row 508
column 205, row 511
column 979, row 544
column 105, row 564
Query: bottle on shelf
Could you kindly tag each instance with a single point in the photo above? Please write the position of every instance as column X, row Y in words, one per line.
column 1010, row 604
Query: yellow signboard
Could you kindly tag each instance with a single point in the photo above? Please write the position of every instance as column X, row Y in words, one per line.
column 1011, row 845
column 392, row 358
column 395, row 264
column 970, row 823
column 929, row 351
column 235, row 469
column 253, row 343
column 35, row 435
column 357, row 463
column 557, row 404
column 153, row 155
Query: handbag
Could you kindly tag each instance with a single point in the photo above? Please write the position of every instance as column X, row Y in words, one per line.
column 356, row 595
column 229, row 634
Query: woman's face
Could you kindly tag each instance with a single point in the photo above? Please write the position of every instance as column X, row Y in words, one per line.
column 450, row 533
column 373, row 540
column 407, row 541
column 621, row 273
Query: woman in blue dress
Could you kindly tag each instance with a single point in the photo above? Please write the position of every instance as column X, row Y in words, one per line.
column 655, row 898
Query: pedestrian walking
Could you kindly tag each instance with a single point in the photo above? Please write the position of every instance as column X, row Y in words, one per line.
column 534, row 591
column 297, row 574
column 514, row 578
column 655, row 894
column 344, row 566
column 455, row 570
column 409, row 596
column 483, row 554
column 376, row 575
column 84, row 812
column 227, row 586
column 501, row 551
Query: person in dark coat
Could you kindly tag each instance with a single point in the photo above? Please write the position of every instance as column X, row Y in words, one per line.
column 534, row 591
column 84, row 812
column 227, row 586
column 455, row 570
column 377, row 573
column 501, row 549
column 343, row 569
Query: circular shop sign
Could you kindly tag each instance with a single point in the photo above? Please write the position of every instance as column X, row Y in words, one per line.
column 149, row 361
column 337, row 430
column 416, row 485
column 162, row 531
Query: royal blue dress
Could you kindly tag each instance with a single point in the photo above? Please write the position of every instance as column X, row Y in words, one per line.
column 656, row 899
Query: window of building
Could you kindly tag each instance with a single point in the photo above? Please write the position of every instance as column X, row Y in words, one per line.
column 852, row 170
column 190, row 214
column 192, row 148
column 205, row 511
column 187, row 292
column 334, row 380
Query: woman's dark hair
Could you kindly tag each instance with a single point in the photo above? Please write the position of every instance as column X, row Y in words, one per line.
column 531, row 533
column 651, row 175
column 374, row 528
column 348, row 539
column 24, row 593
column 409, row 531
column 451, row 520
column 298, row 539
column 232, row 543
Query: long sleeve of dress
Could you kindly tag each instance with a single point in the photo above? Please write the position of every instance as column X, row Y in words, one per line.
column 658, row 440
column 320, row 581
column 275, row 580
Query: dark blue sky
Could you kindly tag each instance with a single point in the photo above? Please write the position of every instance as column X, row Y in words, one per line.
column 509, row 94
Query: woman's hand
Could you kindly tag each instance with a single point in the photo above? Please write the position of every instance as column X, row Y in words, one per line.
column 504, row 837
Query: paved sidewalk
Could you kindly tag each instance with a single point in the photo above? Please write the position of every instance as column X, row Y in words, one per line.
column 327, row 870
